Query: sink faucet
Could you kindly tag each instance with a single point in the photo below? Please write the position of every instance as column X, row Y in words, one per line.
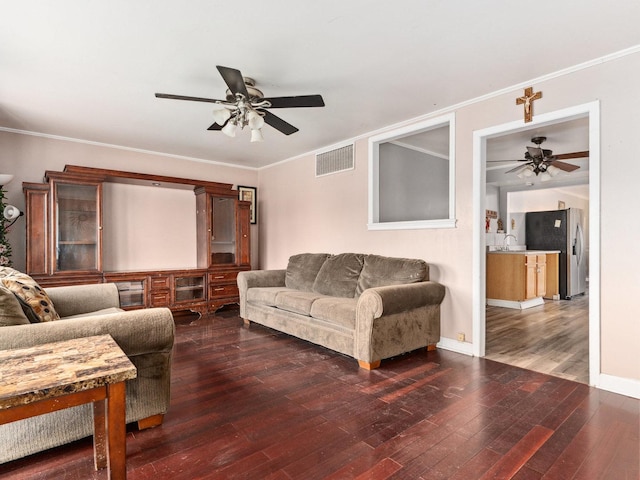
column 505, row 245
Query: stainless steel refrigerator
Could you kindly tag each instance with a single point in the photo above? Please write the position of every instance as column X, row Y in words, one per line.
column 561, row 230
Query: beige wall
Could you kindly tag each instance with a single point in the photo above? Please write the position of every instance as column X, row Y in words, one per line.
column 303, row 213
column 161, row 236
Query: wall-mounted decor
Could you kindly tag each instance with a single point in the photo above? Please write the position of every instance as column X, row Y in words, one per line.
column 527, row 100
column 250, row 194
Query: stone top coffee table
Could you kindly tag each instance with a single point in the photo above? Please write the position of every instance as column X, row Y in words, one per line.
column 53, row 376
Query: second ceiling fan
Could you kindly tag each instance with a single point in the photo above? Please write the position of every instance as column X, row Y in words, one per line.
column 245, row 105
column 542, row 161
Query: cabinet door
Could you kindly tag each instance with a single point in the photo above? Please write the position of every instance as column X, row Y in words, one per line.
column 189, row 288
column 77, row 227
column 531, row 282
column 223, row 230
column 37, row 230
column 244, row 238
column 541, row 275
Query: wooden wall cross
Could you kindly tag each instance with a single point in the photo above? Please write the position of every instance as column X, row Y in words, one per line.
column 527, row 100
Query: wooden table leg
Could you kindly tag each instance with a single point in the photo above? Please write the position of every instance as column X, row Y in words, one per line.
column 116, row 431
column 100, row 454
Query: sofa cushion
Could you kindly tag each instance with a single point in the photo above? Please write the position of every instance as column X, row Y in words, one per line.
column 296, row 301
column 303, row 269
column 10, row 309
column 341, row 311
column 36, row 304
column 264, row 295
column 379, row 271
column 338, row 276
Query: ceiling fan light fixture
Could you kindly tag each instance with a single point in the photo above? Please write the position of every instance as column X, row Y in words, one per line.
column 545, row 177
column 553, row 171
column 526, row 172
column 221, row 116
column 230, row 129
column 255, row 120
column 256, row 135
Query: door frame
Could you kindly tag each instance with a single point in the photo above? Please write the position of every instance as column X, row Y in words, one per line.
column 592, row 111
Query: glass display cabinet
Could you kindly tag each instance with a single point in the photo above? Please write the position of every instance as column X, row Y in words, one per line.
column 77, row 227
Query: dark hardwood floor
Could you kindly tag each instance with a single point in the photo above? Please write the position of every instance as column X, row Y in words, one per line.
column 251, row 403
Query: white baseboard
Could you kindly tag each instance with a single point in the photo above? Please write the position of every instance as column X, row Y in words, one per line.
column 534, row 302
column 465, row 348
column 623, row 386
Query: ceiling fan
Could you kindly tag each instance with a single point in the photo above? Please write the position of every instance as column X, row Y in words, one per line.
column 246, row 105
column 542, row 161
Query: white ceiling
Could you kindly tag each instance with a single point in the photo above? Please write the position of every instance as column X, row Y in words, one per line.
column 89, row 70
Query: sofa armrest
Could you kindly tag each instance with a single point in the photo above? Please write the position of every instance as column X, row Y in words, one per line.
column 261, row 278
column 257, row 278
column 396, row 319
column 77, row 299
column 137, row 332
column 393, row 299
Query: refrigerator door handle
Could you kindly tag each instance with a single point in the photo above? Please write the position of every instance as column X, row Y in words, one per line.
column 578, row 244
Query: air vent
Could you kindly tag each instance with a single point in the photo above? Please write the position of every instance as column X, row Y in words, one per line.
column 334, row 161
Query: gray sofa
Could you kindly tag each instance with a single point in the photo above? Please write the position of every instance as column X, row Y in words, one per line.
column 369, row 307
column 146, row 336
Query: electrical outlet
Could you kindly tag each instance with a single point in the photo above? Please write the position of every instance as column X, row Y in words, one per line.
column 461, row 337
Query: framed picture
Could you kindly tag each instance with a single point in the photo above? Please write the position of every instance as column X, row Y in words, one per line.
column 250, row 194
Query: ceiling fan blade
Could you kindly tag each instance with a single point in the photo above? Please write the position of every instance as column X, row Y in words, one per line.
column 234, row 80
column 567, row 156
column 519, row 167
column 278, row 123
column 506, row 161
column 215, row 126
column 567, row 167
column 296, row 101
column 182, row 97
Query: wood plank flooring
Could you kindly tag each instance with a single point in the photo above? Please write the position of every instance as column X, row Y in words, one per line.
column 251, row 403
column 552, row 338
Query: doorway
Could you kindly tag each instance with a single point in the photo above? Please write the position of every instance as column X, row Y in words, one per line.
column 590, row 111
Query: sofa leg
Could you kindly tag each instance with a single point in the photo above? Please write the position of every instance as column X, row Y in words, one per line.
column 432, row 347
column 150, row 422
column 369, row 365
column 246, row 321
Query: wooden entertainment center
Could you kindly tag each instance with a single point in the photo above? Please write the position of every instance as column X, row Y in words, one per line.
column 64, row 240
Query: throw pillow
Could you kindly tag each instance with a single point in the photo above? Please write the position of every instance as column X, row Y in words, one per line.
column 338, row 276
column 10, row 311
column 302, row 270
column 379, row 271
column 35, row 302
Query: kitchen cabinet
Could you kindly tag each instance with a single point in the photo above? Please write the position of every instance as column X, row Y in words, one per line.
column 520, row 276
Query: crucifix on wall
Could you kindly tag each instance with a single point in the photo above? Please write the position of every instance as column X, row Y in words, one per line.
column 527, row 99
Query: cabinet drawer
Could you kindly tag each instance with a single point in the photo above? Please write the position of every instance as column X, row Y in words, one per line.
column 160, row 299
column 223, row 277
column 223, row 291
column 159, row 283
